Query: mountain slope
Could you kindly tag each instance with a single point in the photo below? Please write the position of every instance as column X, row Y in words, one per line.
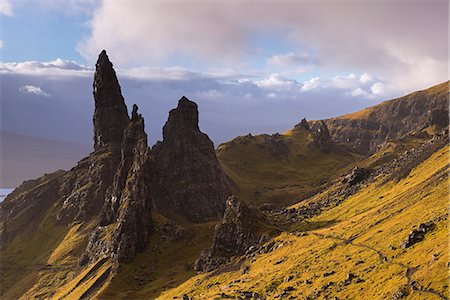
column 358, row 253
column 363, row 131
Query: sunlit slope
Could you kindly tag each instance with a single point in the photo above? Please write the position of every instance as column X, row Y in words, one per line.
column 363, row 131
column 281, row 169
column 359, row 255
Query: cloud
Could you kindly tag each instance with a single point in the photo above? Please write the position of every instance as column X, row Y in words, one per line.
column 277, row 82
column 5, row 8
column 2, row 45
column 358, row 92
column 377, row 88
column 311, row 84
column 289, row 60
column 229, row 105
column 32, row 89
column 54, row 69
column 391, row 45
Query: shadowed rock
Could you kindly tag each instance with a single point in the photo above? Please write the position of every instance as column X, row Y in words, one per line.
column 322, row 138
column 189, row 178
column 242, row 226
column 128, row 201
column 110, row 115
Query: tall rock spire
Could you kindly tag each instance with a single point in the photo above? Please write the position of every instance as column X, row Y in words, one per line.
column 110, row 115
column 189, row 177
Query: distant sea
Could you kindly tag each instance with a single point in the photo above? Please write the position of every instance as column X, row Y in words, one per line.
column 4, row 193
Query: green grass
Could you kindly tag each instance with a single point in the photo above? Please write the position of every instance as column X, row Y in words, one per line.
column 261, row 177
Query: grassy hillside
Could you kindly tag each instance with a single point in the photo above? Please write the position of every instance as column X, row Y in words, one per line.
column 281, row 169
column 359, row 254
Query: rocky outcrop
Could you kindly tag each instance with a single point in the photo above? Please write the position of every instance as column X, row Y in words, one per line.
column 366, row 130
column 110, row 115
column 418, row 234
column 302, row 125
column 242, row 226
column 356, row 175
column 322, row 139
column 85, row 185
column 189, row 178
column 125, row 220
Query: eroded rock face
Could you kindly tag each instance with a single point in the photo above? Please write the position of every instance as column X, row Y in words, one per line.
column 110, row 115
column 85, row 185
column 322, row 138
column 238, row 231
column 418, row 234
column 125, row 220
column 393, row 119
column 189, row 178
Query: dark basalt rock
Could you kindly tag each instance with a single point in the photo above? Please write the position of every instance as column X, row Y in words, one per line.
column 85, row 185
column 239, row 230
column 303, row 125
column 189, row 178
column 356, row 175
column 322, row 138
column 110, row 115
column 128, row 201
column 418, row 234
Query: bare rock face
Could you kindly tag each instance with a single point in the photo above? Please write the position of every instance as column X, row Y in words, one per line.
column 110, row 115
column 322, row 138
column 239, row 230
column 189, row 178
column 85, row 185
column 303, row 125
column 125, row 220
column 393, row 119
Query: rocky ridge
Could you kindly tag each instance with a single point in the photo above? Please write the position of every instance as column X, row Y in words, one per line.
column 119, row 184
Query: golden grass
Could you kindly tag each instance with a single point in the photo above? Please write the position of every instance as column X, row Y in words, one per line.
column 378, row 218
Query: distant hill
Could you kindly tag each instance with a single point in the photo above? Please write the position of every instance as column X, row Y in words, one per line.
column 26, row 157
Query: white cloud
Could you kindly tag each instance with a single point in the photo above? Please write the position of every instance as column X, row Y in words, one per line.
column 392, row 44
column 358, row 92
column 54, row 69
column 311, row 84
column 5, row 8
column 290, row 59
column 2, row 45
column 377, row 88
column 32, row 89
column 277, row 82
column 365, row 78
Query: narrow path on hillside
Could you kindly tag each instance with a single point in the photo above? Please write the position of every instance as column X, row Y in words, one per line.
column 412, row 284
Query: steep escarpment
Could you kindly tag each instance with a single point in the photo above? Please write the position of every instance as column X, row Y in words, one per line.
column 364, row 131
column 189, row 177
column 125, row 220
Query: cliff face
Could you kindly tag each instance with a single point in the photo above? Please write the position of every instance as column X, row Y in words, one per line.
column 110, row 115
column 242, row 226
column 364, row 131
column 189, row 177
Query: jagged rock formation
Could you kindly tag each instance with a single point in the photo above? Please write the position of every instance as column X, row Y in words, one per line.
column 86, row 184
column 110, row 115
column 242, row 227
column 364, row 131
column 189, row 177
column 302, row 125
column 418, row 234
column 322, row 138
column 127, row 206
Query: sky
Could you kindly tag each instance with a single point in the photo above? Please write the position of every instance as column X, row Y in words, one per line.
column 252, row 66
